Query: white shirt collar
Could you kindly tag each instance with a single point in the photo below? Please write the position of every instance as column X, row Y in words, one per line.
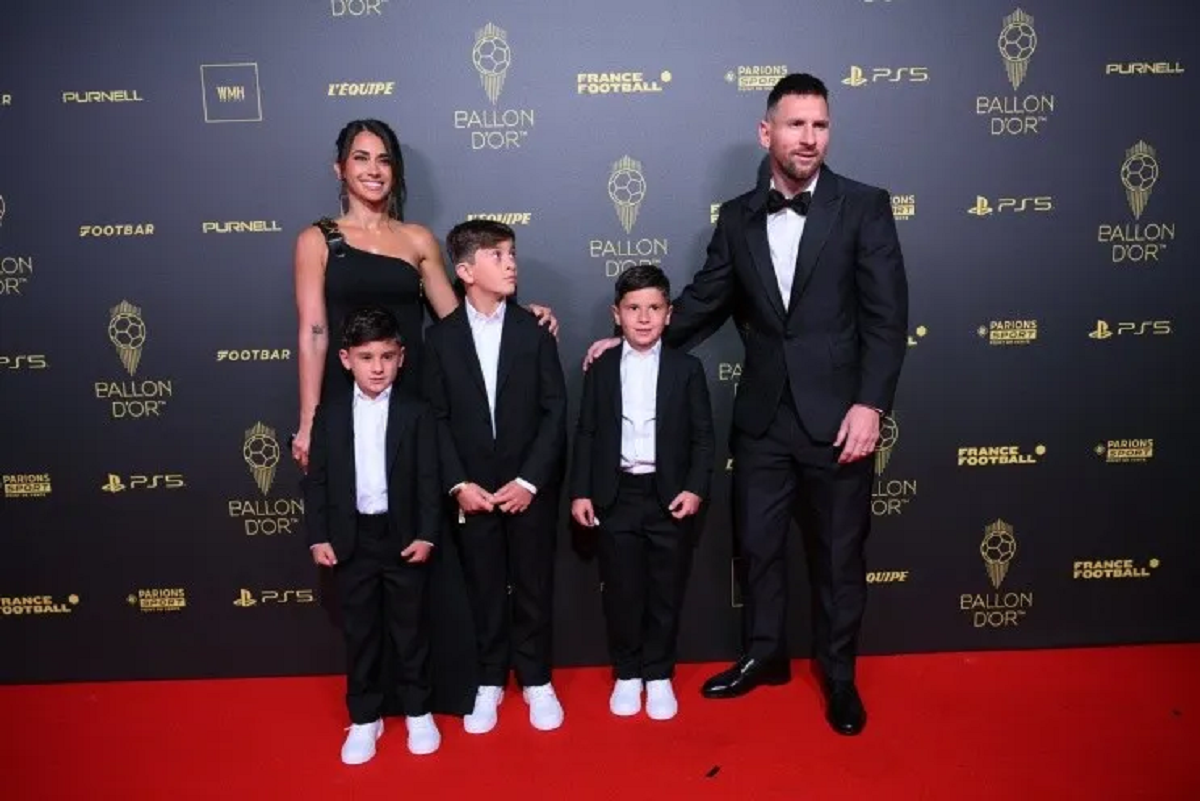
column 474, row 315
column 627, row 349
column 362, row 397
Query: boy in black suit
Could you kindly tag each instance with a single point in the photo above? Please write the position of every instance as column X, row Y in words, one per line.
column 642, row 464
column 493, row 377
column 372, row 503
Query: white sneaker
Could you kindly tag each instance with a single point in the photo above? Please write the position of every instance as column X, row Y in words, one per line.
column 423, row 735
column 660, row 700
column 483, row 717
column 626, row 698
column 545, row 712
column 360, row 742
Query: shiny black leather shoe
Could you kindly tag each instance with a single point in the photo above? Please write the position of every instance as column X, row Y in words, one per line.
column 844, row 708
column 746, row 674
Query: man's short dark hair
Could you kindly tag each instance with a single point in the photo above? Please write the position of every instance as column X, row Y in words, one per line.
column 467, row 237
column 642, row 276
column 798, row 83
column 370, row 324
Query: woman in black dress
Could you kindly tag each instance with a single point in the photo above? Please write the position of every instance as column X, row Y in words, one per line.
column 369, row 255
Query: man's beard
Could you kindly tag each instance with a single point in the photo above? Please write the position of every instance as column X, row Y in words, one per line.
column 792, row 171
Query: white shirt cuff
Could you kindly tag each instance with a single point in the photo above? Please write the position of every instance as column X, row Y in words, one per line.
column 526, row 485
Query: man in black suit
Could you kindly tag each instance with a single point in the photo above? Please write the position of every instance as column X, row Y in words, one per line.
column 809, row 266
column 372, row 505
column 642, row 464
column 493, row 377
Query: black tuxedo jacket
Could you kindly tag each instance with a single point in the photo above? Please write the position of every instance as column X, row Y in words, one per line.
column 683, row 430
column 330, row 486
column 531, row 404
column 841, row 339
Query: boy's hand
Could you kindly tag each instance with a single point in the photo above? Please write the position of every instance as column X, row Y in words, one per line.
column 416, row 552
column 685, row 503
column 545, row 316
column 513, row 498
column 473, row 498
column 323, row 555
column 583, row 513
column 598, row 347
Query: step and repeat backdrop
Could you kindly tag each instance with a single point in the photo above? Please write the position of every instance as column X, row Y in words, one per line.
column 158, row 160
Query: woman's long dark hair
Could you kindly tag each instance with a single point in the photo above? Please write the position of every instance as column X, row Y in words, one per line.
column 345, row 139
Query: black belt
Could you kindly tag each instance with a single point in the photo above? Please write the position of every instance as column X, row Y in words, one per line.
column 642, row 481
column 373, row 519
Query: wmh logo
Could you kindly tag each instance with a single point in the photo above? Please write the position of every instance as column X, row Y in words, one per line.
column 231, row 94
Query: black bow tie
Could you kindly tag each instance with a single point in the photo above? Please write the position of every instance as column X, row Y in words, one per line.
column 799, row 204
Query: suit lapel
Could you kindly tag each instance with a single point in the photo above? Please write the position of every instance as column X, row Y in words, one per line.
column 610, row 379
column 395, row 426
column 755, row 222
column 462, row 327
column 611, row 397
column 822, row 213
column 667, row 381
column 509, row 334
column 341, row 437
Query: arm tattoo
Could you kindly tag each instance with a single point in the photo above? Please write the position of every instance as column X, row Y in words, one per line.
column 318, row 329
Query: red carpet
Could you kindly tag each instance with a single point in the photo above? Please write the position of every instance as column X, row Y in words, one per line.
column 1105, row 723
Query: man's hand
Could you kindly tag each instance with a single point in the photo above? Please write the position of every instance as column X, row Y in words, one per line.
column 323, row 555
column 513, row 498
column 598, row 347
column 473, row 498
column 416, row 552
column 583, row 513
column 859, row 433
column 685, row 503
column 545, row 316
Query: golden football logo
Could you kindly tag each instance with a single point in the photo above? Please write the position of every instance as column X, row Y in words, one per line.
column 261, row 452
column 491, row 57
column 127, row 332
column 1017, row 42
column 1139, row 173
column 889, row 435
column 627, row 190
column 998, row 548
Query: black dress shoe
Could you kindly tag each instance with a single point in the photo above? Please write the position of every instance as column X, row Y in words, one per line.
column 843, row 708
column 746, row 674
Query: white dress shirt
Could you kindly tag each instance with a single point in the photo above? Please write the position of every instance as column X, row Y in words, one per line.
column 639, row 396
column 486, row 330
column 370, row 451
column 784, row 230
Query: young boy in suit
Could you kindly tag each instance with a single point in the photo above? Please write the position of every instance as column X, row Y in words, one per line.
column 642, row 464
column 373, row 508
column 493, row 377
